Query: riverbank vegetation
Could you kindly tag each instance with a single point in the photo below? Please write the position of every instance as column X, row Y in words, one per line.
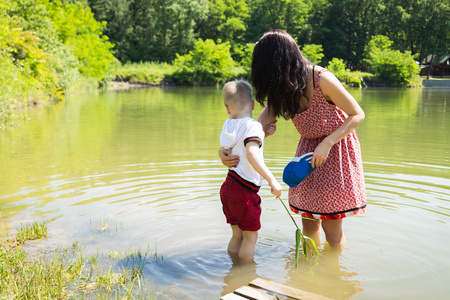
column 48, row 48
column 67, row 272
column 51, row 48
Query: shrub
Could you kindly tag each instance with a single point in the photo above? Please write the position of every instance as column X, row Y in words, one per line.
column 207, row 64
column 83, row 35
column 24, row 73
column 351, row 78
column 145, row 73
column 337, row 67
column 313, row 52
column 392, row 66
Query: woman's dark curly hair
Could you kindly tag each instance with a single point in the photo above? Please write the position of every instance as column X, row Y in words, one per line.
column 279, row 73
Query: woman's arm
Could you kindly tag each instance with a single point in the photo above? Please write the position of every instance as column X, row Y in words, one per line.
column 268, row 121
column 227, row 159
column 333, row 90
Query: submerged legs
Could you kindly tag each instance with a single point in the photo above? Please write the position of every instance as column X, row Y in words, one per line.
column 242, row 243
column 334, row 233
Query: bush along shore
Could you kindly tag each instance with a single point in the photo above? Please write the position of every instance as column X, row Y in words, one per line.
column 43, row 57
column 67, row 272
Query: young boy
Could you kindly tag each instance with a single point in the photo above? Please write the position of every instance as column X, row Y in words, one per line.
column 245, row 137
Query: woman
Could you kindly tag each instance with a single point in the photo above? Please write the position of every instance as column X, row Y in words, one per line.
column 326, row 116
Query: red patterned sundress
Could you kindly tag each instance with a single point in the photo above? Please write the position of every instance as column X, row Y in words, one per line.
column 336, row 189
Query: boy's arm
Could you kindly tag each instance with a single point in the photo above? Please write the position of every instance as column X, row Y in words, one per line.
column 257, row 162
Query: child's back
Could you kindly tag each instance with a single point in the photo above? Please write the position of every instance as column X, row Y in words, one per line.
column 245, row 137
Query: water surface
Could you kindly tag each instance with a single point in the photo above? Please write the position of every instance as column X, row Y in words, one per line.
column 145, row 162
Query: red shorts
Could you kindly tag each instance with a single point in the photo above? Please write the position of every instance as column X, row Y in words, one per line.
column 240, row 206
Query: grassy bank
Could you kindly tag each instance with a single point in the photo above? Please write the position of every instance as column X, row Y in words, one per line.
column 154, row 73
column 66, row 272
column 146, row 73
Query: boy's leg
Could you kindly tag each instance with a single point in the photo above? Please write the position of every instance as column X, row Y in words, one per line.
column 247, row 251
column 234, row 246
column 334, row 233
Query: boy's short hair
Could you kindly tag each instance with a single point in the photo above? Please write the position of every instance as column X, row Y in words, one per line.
column 237, row 92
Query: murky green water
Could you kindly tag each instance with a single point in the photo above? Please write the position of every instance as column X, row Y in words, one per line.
column 145, row 163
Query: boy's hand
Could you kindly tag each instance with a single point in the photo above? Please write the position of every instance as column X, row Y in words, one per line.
column 275, row 188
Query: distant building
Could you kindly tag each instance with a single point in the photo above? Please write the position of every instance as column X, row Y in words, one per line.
column 440, row 70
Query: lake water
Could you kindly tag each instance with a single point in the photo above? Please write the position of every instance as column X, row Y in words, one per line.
column 145, row 163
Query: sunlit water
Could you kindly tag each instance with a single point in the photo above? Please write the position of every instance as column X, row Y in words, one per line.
column 145, row 163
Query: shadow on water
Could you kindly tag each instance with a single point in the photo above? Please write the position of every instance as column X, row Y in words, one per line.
column 203, row 275
column 208, row 274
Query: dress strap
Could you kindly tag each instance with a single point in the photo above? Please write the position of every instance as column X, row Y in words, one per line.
column 314, row 77
column 317, row 78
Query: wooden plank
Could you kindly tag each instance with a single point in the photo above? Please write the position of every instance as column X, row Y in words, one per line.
column 253, row 294
column 286, row 290
column 232, row 296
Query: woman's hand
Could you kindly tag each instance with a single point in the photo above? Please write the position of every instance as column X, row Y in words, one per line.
column 270, row 128
column 227, row 159
column 321, row 153
column 268, row 122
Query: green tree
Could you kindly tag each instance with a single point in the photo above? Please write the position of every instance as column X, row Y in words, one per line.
column 208, row 63
column 118, row 18
column 392, row 66
column 289, row 15
column 77, row 28
column 150, row 30
column 337, row 67
column 346, row 28
column 419, row 26
column 313, row 52
column 25, row 75
column 226, row 21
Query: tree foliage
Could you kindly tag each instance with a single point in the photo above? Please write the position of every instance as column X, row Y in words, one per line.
column 156, row 30
column 313, row 52
column 397, row 68
column 419, row 26
column 208, row 63
column 47, row 48
column 50, row 46
column 77, row 28
column 150, row 30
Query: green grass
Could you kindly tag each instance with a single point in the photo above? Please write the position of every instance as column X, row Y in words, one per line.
column 68, row 273
column 151, row 73
column 33, row 231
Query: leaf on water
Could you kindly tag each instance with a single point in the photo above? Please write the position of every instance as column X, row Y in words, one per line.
column 298, row 235
column 102, row 227
column 314, row 245
column 91, row 285
column 306, row 218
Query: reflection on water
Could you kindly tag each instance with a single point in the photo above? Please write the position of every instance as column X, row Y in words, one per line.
column 146, row 162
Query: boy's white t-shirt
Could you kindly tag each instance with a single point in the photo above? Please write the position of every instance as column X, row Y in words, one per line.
column 236, row 133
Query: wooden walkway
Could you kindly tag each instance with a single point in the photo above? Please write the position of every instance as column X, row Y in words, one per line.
column 261, row 289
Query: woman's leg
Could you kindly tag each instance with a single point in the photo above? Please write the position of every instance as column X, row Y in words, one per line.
column 334, row 233
column 234, row 246
column 311, row 229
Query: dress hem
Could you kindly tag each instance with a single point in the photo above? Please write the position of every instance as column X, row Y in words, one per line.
column 329, row 216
